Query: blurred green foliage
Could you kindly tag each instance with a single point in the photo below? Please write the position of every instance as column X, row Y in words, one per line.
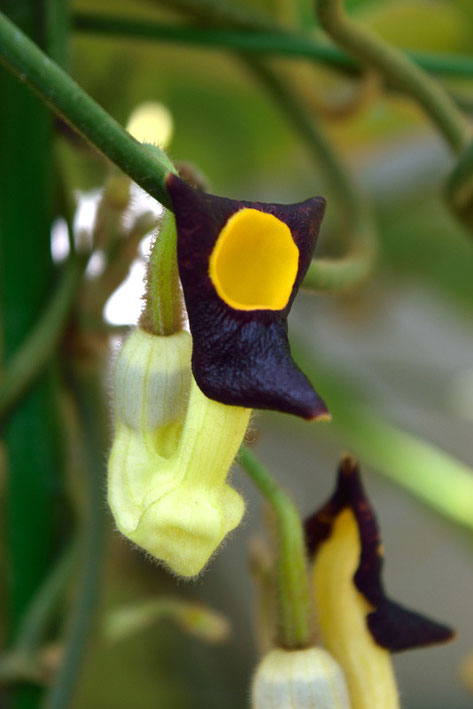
column 232, row 131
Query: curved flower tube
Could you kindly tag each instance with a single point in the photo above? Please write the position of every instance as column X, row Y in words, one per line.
column 171, row 454
column 358, row 623
column 241, row 264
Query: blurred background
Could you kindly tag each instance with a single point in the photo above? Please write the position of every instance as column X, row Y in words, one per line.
column 398, row 347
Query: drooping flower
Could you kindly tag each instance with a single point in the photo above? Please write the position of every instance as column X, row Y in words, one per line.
column 359, row 624
column 241, row 264
column 172, row 450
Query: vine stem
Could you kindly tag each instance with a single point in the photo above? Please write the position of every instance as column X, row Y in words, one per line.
column 328, row 274
column 36, row 351
column 295, row 629
column 268, row 42
column 397, row 69
column 147, row 167
column 86, row 387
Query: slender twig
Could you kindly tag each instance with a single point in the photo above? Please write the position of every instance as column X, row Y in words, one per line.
column 87, row 391
column 398, row 69
column 280, row 43
column 146, row 165
column 29, row 361
column 292, row 582
column 326, row 274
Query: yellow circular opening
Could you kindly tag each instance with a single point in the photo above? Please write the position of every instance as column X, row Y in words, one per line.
column 254, row 262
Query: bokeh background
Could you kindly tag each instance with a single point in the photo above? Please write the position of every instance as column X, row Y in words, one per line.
column 403, row 341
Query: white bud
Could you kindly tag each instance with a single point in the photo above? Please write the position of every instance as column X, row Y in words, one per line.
column 152, row 379
column 299, row 679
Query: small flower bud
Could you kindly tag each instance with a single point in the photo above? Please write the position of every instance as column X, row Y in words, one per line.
column 299, row 679
column 152, row 379
column 171, row 454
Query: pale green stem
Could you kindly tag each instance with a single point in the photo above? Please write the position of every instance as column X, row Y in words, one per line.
column 276, row 42
column 294, row 605
column 163, row 312
column 396, row 68
column 29, row 361
column 21, row 660
column 86, row 384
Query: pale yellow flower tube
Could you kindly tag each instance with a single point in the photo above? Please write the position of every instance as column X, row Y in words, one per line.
column 171, row 455
column 342, row 612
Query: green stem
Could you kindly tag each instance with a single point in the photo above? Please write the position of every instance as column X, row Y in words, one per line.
column 295, row 629
column 37, row 619
column 145, row 165
column 30, row 359
column 276, row 42
column 86, row 385
column 325, row 274
column 21, row 661
column 397, row 69
column 32, row 437
column 163, row 312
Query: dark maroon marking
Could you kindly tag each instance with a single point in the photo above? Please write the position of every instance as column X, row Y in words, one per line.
column 239, row 357
column 391, row 625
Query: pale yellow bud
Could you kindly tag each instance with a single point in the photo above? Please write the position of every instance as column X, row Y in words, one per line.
column 170, row 457
column 152, row 379
column 299, row 679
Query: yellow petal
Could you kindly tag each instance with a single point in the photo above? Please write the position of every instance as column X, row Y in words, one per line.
column 254, row 262
column 342, row 611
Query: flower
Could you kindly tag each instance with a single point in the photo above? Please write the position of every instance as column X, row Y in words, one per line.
column 241, row 264
column 305, row 678
column 171, row 454
column 359, row 624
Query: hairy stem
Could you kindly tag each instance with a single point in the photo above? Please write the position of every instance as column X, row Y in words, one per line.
column 295, row 628
column 163, row 312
